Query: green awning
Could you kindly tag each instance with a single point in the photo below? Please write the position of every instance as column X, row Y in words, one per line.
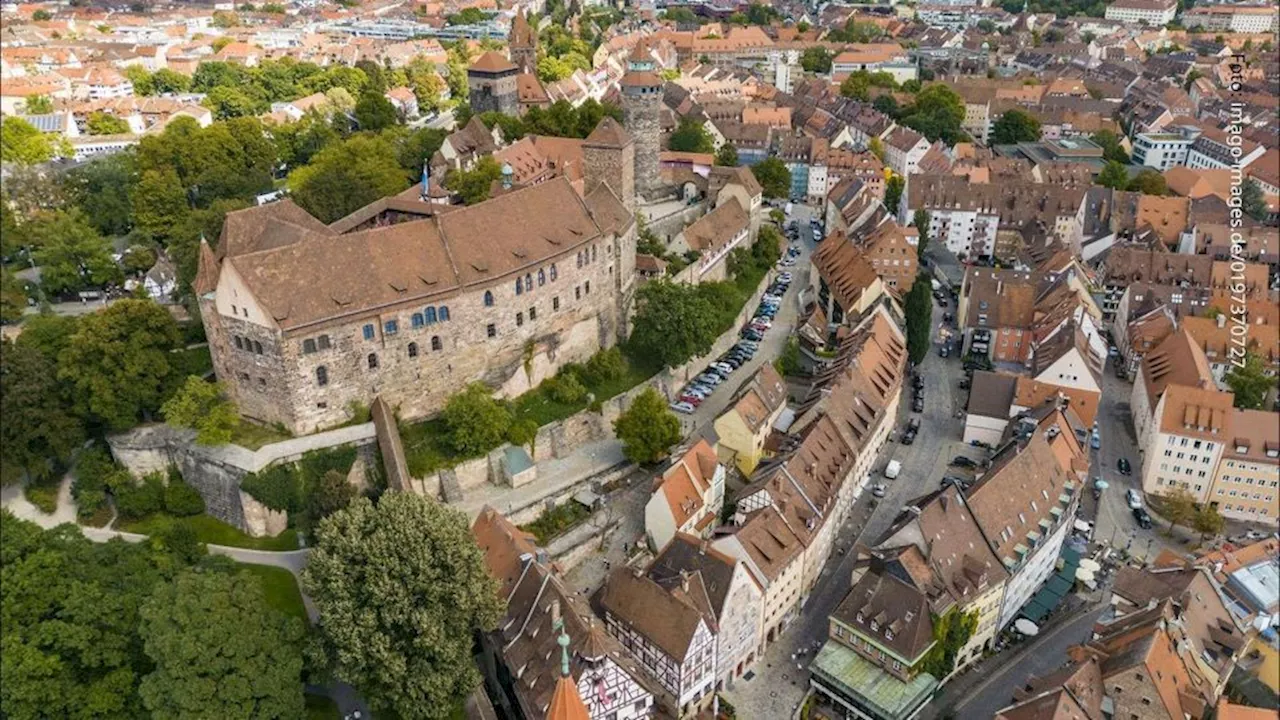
column 1034, row 611
column 1058, row 585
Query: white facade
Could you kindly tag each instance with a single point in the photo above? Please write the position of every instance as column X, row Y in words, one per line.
column 1231, row 18
column 905, row 162
column 781, row 593
column 1161, row 150
column 1036, row 568
column 984, row 428
column 1178, row 461
column 817, row 182
column 1216, row 156
column 1151, row 12
column 740, row 622
column 959, row 229
column 689, row 679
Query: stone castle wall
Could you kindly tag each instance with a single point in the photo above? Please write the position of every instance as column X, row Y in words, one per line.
column 641, row 117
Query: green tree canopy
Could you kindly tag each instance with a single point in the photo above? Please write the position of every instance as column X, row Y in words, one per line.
column 691, row 136
column 1015, row 126
column 118, row 365
column 38, row 105
column 773, row 176
column 1252, row 200
column 100, row 123
column 477, row 423
column 204, row 407
column 1249, row 383
column 347, row 176
column 102, row 189
column 70, row 252
column 648, row 429
column 727, row 156
column 936, row 113
column 219, row 650
column 1114, row 176
column 474, row 185
column 21, row 143
column 375, row 112
column 1208, row 521
column 920, row 220
column 1111, row 148
column 39, row 433
column 893, row 188
column 401, row 588
column 673, row 322
column 816, row 59
column 13, row 297
column 919, row 314
column 1178, row 506
column 1149, row 182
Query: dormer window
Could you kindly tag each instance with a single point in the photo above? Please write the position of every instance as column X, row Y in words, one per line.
column 860, row 618
column 888, row 634
column 874, row 626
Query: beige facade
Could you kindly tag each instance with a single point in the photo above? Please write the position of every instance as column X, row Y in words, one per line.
column 1246, row 485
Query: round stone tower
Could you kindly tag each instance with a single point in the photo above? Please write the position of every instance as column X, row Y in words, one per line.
column 641, row 106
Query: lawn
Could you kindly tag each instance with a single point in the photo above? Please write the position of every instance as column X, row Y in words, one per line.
column 281, row 589
column 427, row 448
column 320, row 707
column 214, row 532
column 554, row 523
column 253, row 436
column 538, row 405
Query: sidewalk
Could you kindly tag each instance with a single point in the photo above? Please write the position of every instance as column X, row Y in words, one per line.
column 553, row 476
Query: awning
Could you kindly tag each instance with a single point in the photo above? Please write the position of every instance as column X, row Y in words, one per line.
column 1090, row 564
column 1034, row 611
column 1058, row 586
column 1026, row 627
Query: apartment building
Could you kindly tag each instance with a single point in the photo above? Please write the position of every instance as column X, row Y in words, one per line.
column 1155, row 13
column 1231, row 18
column 743, row 428
column 688, row 497
column 1248, row 473
column 1163, row 150
column 903, row 150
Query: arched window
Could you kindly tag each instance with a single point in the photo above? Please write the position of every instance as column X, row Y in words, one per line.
column 413, row 349
column 519, row 286
column 323, row 342
column 444, row 313
column 488, row 299
column 431, row 316
column 322, row 376
column 257, row 347
column 373, row 361
column 308, row 346
column 436, row 345
column 418, row 320
column 554, row 272
column 542, row 277
column 239, row 342
column 593, row 253
column 528, row 282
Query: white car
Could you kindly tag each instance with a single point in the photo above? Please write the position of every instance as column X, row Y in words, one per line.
column 785, row 277
column 723, row 367
column 1134, row 498
column 682, row 407
column 762, row 320
column 877, row 490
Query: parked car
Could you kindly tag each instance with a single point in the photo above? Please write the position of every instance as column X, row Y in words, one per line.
column 785, row 277
column 917, row 405
column 917, row 382
column 1095, row 441
column 682, row 407
column 761, row 320
column 1143, row 518
column 909, row 437
column 722, row 366
column 1124, row 467
column 710, row 378
column 1133, row 497
column 962, row 461
column 877, row 490
column 752, row 345
column 693, row 400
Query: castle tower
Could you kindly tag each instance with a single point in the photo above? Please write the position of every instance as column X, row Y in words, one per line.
column 641, row 107
column 609, row 156
column 523, row 44
column 492, row 79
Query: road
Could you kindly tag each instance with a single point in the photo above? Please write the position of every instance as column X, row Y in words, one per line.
column 780, row 680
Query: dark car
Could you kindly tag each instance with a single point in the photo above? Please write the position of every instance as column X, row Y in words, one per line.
column 908, row 437
column 1143, row 518
column 1124, row 467
column 964, row 384
column 962, row 461
column 917, row 382
column 917, row 405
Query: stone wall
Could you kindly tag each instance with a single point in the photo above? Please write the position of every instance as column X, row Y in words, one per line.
column 216, row 471
column 667, row 227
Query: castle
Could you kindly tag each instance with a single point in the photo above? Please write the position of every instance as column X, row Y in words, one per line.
column 411, row 301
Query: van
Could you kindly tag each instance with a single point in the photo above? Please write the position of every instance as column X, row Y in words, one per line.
column 787, row 210
column 892, row 469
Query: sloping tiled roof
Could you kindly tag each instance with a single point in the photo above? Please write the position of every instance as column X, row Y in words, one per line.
column 845, row 269
column 1176, row 361
column 667, row 619
column 890, row 612
column 491, row 62
column 717, row 228
column 991, row 393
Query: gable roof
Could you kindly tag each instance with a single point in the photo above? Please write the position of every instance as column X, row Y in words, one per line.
column 668, row 619
column 891, row 613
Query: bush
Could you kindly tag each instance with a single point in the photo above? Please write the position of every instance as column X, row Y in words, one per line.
column 43, row 496
column 566, row 388
column 606, row 365
column 181, row 499
column 89, row 488
column 477, row 423
column 138, row 500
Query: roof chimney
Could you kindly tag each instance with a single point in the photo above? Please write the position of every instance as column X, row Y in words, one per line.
column 1222, row 320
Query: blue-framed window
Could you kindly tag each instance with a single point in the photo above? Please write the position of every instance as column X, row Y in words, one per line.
column 554, row 272
column 368, row 332
column 488, row 299
column 431, row 315
column 418, row 320
column 519, row 286
column 444, row 313
column 390, row 327
column 542, row 277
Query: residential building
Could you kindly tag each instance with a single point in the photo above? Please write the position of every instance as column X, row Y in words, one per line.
column 451, row 296
column 1248, row 473
column 1154, row 13
column 733, row 595
column 1231, row 18
column 1215, row 149
column 1214, row 336
column 671, row 631
column 806, row 158
column 713, row 236
column 846, row 283
column 872, row 662
column 745, row 426
column 688, row 496
column 522, row 662
column 903, row 150
column 1163, row 150
column 1177, row 360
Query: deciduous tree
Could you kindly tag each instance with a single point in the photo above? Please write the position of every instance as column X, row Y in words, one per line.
column 21, row 143
column 727, row 156
column 1113, row 175
column 39, row 432
column 1249, row 383
column 375, row 112
column 816, row 59
column 1015, row 126
column 102, row 189
column 1111, row 148
column 347, row 176
column 401, row 588
column 919, row 315
column 1178, row 507
column 893, row 188
column 773, row 176
column 673, row 323
column 477, row 423
column 936, row 113
column 691, row 136
column 474, row 185
column 1252, row 200
column 71, row 254
column 1149, row 182
column 648, row 429
column 921, row 222
column 204, row 407
column 100, row 123
column 1208, row 521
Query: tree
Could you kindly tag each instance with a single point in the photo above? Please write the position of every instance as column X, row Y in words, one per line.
column 1252, row 201
column 648, row 429
column 13, row 297
column 71, row 254
column 467, row 16
column 936, row 113
column 893, row 188
column 41, row 15
column 347, row 176
column 773, row 176
column 165, row 81
column 1249, row 382
column 816, row 59
column 919, row 315
column 886, row 104
column 474, row 185
column 401, row 589
column 48, row 333
column 1015, row 126
column 102, row 189
column 477, row 423
column 921, row 222
column 727, row 156
column 672, row 323
column 219, row 650
column 38, row 105
column 1113, row 175
column 691, row 136
column 332, row 493
column 23, row 144
column 1208, row 521
column 375, row 112
column 100, row 123
column 39, row 433
column 231, row 102
column 1149, row 182
column 117, row 364
column 876, row 147
column 1178, row 507
column 204, row 407
column 951, row 632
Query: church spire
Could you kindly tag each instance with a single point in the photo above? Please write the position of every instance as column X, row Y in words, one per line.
column 566, row 703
